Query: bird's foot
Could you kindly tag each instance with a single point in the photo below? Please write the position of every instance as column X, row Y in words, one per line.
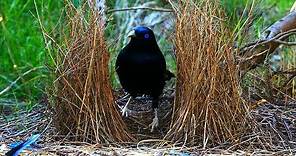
column 125, row 111
column 154, row 123
column 143, row 97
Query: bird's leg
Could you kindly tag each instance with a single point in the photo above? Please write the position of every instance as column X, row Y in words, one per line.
column 125, row 110
column 154, row 123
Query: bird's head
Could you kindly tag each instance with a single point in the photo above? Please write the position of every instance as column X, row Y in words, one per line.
column 142, row 33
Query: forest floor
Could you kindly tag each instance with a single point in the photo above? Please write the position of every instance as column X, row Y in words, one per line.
column 273, row 119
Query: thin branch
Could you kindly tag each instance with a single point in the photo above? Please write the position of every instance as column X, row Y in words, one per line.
column 285, row 42
column 276, row 38
column 140, row 8
column 289, row 72
column 15, row 81
column 275, row 35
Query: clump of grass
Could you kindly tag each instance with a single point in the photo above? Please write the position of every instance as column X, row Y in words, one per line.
column 208, row 107
column 22, row 48
column 85, row 106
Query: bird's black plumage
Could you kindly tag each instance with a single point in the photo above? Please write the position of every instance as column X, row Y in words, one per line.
column 141, row 66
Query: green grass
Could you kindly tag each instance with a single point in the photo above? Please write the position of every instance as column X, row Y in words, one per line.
column 266, row 12
column 22, row 47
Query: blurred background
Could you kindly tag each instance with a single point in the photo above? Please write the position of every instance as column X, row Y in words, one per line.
column 24, row 57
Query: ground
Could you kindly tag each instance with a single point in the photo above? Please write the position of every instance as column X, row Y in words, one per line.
column 275, row 121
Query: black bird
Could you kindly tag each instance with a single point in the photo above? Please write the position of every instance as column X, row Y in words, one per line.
column 141, row 68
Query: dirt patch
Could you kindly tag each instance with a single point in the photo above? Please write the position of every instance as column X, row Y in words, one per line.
column 275, row 135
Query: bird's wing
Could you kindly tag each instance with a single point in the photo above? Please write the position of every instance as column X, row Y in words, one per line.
column 121, row 58
column 16, row 150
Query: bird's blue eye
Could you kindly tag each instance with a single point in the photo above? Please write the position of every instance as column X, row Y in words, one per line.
column 146, row 36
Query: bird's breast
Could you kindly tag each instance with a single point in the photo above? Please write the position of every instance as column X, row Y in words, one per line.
column 141, row 70
column 144, row 59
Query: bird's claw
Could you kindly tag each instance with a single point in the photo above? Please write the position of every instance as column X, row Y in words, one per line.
column 125, row 111
column 154, row 124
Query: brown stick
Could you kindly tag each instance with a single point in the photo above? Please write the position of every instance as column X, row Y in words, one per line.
column 140, row 8
column 254, row 54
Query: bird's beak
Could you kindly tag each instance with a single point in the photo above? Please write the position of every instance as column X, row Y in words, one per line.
column 132, row 34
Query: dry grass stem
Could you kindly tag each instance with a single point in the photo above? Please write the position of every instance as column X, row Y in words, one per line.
column 208, row 108
column 85, row 104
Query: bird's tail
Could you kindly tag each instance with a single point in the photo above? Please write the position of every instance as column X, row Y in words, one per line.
column 16, row 150
column 168, row 75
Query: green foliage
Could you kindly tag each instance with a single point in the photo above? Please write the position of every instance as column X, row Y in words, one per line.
column 264, row 13
column 22, row 47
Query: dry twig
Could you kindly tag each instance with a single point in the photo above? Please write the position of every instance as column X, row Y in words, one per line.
column 16, row 80
column 139, row 8
column 255, row 53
